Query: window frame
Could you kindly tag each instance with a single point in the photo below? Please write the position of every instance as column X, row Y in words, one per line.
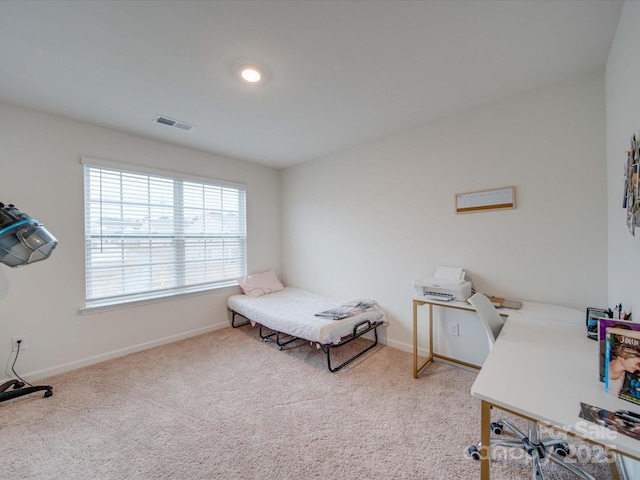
column 177, row 179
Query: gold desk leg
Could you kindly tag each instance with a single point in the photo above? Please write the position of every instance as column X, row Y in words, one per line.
column 485, row 439
column 613, row 466
column 415, row 339
column 431, row 330
column 417, row 368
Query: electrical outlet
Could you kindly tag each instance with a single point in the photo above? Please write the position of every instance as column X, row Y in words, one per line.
column 23, row 343
column 453, row 329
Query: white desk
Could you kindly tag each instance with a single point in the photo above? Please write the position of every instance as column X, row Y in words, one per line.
column 541, row 367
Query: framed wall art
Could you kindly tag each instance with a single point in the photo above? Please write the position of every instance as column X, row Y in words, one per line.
column 494, row 199
column 630, row 201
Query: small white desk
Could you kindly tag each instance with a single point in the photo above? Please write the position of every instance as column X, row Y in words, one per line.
column 540, row 368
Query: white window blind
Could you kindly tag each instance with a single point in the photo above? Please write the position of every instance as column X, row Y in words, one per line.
column 154, row 235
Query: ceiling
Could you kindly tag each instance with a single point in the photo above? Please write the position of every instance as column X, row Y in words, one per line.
column 338, row 73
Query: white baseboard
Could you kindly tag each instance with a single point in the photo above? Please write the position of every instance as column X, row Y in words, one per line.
column 407, row 347
column 423, row 352
column 67, row 367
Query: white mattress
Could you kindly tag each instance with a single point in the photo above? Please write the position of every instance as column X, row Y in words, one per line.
column 292, row 311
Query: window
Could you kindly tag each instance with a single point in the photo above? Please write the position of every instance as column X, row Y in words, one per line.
column 150, row 235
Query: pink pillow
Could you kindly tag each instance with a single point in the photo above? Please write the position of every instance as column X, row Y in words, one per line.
column 260, row 283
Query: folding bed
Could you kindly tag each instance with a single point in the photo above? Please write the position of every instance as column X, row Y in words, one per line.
column 287, row 314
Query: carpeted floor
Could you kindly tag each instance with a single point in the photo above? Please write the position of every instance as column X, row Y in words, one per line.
column 227, row 406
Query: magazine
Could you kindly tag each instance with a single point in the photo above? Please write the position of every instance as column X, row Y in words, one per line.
column 622, row 364
column 621, row 421
column 350, row 309
column 603, row 324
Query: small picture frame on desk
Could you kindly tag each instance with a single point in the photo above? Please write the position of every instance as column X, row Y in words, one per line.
column 593, row 314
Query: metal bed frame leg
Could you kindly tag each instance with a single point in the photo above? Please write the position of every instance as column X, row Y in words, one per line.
column 327, row 348
column 266, row 338
column 286, row 342
column 233, row 319
column 276, row 334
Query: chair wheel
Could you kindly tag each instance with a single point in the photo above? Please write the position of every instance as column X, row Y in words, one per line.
column 562, row 450
column 497, row 427
column 473, row 451
column 18, row 385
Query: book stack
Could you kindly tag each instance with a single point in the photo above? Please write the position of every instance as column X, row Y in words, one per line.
column 620, row 358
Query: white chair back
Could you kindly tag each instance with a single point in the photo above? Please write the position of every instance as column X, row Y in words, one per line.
column 490, row 317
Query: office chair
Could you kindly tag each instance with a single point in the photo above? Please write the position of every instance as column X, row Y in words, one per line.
column 552, row 448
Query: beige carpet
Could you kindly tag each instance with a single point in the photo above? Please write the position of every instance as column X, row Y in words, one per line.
column 227, row 406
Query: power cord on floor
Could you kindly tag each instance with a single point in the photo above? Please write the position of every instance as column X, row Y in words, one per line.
column 14, row 364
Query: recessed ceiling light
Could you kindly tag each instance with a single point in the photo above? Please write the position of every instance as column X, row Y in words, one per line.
column 251, row 73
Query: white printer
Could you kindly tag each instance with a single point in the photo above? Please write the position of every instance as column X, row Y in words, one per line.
column 447, row 283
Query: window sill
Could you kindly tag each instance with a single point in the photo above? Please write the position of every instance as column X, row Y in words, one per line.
column 99, row 307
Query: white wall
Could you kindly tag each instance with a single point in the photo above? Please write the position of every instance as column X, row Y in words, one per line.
column 623, row 119
column 368, row 221
column 42, row 175
column 364, row 222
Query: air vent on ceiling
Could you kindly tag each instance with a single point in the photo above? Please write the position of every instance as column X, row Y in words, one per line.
column 173, row 123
